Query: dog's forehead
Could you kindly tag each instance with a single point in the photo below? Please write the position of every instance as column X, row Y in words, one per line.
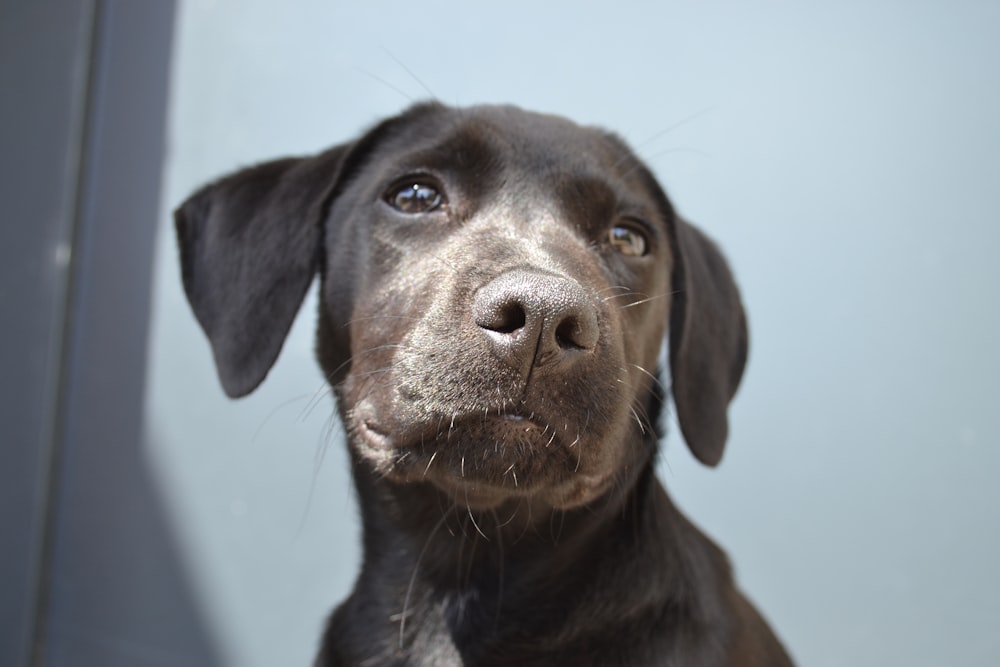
column 519, row 138
column 507, row 151
column 534, row 132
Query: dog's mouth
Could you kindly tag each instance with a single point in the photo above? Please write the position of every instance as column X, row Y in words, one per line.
column 484, row 458
column 479, row 443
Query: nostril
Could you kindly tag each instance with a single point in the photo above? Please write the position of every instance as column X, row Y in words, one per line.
column 568, row 334
column 577, row 330
column 506, row 319
column 533, row 318
column 505, row 316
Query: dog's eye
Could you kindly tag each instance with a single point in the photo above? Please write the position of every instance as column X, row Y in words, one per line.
column 628, row 240
column 415, row 198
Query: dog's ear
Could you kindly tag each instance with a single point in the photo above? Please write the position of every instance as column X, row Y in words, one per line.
column 708, row 341
column 250, row 245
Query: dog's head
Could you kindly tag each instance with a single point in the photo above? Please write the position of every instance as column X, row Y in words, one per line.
column 496, row 286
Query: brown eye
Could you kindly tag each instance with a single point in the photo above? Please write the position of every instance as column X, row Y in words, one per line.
column 628, row 241
column 415, row 198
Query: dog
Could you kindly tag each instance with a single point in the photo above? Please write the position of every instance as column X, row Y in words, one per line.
column 496, row 288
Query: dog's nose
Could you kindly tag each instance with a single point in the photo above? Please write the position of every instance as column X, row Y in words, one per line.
column 533, row 317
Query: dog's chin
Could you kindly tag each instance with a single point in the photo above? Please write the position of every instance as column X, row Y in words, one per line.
column 483, row 463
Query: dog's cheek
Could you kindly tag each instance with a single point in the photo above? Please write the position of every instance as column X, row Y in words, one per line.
column 650, row 329
column 344, row 283
column 645, row 319
column 445, row 367
column 388, row 333
column 615, row 401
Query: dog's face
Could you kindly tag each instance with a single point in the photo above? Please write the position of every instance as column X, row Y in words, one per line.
column 503, row 337
column 496, row 289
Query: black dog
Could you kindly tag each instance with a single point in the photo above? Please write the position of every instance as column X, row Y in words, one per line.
column 496, row 289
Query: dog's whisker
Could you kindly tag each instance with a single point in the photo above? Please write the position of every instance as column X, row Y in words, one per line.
column 321, row 449
column 399, row 460
column 500, row 570
column 318, row 395
column 374, row 380
column 433, row 456
column 527, row 523
column 579, row 451
column 623, row 288
column 646, row 300
column 354, row 357
column 413, row 579
column 474, row 546
column 475, row 525
column 385, row 83
column 385, row 370
column 555, row 535
column 370, row 318
column 621, row 295
column 510, row 519
column 651, row 376
column 412, row 75
column 273, row 411
column 638, row 420
column 670, row 128
column 446, row 262
column 677, row 149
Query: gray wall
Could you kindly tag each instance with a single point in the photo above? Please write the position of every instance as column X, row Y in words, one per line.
column 89, row 571
column 847, row 158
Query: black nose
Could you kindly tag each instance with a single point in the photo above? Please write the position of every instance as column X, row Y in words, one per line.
column 536, row 318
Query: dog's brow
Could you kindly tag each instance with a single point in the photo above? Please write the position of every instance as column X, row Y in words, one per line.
column 588, row 200
column 468, row 148
column 466, row 158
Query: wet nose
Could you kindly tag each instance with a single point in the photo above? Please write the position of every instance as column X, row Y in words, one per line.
column 536, row 318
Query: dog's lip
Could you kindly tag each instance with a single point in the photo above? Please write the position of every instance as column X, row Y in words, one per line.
column 512, row 422
column 384, row 449
column 379, row 439
column 374, row 436
column 386, row 444
column 521, row 423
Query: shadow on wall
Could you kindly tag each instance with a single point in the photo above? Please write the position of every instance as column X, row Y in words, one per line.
column 89, row 100
column 120, row 594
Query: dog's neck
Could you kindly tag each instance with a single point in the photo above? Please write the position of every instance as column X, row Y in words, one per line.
column 435, row 567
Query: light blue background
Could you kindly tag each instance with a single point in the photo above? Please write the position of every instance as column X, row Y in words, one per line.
column 847, row 158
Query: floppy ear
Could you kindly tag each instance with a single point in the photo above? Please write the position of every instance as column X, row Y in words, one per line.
column 250, row 245
column 708, row 341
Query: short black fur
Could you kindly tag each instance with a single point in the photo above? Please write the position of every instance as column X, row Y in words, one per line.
column 494, row 359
